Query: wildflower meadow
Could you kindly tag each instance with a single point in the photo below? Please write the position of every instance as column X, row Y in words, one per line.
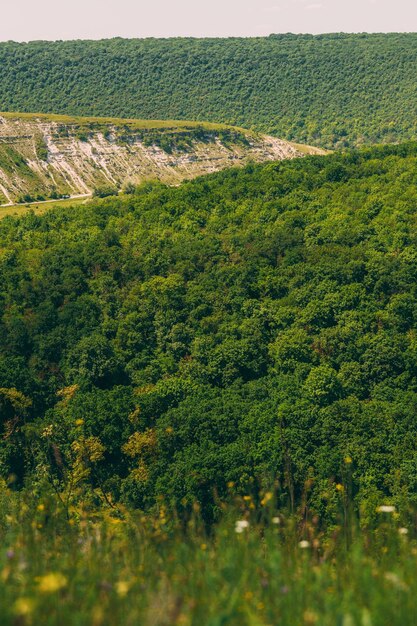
column 254, row 568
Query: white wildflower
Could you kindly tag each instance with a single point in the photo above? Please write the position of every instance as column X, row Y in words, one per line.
column 276, row 520
column 396, row 581
column 304, row 544
column 386, row 508
column 241, row 525
column 403, row 531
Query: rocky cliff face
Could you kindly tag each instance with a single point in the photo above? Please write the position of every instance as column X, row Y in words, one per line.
column 49, row 156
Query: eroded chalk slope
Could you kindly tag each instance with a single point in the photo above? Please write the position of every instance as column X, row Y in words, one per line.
column 51, row 156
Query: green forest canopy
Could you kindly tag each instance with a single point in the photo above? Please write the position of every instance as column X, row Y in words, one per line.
column 327, row 90
column 250, row 326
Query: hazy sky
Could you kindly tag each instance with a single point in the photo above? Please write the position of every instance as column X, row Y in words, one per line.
column 23, row 20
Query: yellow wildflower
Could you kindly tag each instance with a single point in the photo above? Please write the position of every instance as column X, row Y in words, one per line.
column 50, row 583
column 122, row 588
column 310, row 617
column 24, row 606
column 97, row 615
column 267, row 497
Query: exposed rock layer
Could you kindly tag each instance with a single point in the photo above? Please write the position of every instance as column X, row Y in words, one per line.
column 41, row 156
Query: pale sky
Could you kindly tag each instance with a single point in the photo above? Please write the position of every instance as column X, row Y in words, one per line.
column 25, row 20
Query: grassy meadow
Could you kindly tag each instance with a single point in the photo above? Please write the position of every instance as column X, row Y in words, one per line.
column 253, row 569
column 132, row 124
column 38, row 208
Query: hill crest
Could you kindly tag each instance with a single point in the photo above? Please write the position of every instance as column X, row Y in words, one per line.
column 334, row 91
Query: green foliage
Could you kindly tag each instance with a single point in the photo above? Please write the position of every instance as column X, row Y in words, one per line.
column 129, row 188
column 104, row 191
column 253, row 327
column 327, row 90
column 41, row 149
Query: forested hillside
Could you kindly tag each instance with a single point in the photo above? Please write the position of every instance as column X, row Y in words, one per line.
column 326, row 90
column 252, row 326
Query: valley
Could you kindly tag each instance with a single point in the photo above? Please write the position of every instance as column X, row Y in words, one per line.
column 208, row 325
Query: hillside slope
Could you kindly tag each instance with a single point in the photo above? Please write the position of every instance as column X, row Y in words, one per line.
column 327, row 90
column 50, row 156
column 255, row 326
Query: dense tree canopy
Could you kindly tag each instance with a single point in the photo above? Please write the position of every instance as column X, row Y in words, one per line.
column 252, row 326
column 326, row 90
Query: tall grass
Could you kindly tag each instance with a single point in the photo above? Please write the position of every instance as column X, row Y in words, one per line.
column 124, row 568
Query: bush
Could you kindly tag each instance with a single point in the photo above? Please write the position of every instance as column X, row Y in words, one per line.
column 105, row 191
